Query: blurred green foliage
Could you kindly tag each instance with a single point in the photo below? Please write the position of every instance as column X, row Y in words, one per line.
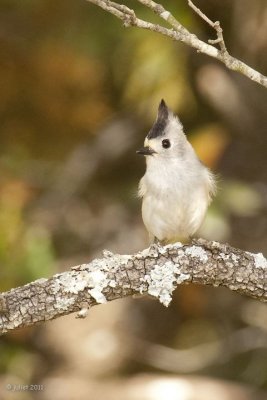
column 25, row 251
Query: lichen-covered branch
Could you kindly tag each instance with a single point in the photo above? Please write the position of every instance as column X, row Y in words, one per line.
column 156, row 271
column 179, row 33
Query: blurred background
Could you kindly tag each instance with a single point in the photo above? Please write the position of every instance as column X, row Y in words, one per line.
column 78, row 95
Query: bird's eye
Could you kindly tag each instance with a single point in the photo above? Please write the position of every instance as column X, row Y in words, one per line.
column 166, row 143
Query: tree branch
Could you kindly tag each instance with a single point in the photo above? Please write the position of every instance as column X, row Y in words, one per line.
column 179, row 33
column 215, row 25
column 156, row 271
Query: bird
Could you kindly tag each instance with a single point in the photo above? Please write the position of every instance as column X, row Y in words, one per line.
column 177, row 187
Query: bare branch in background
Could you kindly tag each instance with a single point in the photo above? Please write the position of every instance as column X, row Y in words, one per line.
column 215, row 25
column 179, row 33
column 156, row 271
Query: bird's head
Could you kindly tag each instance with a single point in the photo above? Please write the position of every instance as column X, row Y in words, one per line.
column 166, row 137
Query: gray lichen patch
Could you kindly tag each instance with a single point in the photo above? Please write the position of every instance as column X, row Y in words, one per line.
column 93, row 277
column 73, row 282
column 63, row 303
column 197, row 252
column 162, row 280
column 260, row 260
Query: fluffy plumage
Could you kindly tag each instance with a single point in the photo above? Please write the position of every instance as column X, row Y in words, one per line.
column 176, row 188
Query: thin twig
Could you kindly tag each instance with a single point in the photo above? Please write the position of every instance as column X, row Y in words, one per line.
column 180, row 33
column 200, row 13
column 166, row 15
column 215, row 25
column 137, row 22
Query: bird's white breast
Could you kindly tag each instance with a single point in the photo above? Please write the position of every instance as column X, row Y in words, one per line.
column 175, row 198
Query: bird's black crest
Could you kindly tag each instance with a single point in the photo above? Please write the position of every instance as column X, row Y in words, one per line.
column 161, row 122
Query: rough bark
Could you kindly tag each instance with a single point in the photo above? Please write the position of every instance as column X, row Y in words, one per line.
column 179, row 33
column 156, row 271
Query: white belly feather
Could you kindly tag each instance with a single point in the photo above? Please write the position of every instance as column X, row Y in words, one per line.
column 174, row 207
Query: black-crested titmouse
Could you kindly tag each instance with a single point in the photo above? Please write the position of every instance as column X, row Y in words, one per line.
column 176, row 188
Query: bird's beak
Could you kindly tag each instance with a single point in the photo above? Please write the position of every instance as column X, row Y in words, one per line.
column 146, row 151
